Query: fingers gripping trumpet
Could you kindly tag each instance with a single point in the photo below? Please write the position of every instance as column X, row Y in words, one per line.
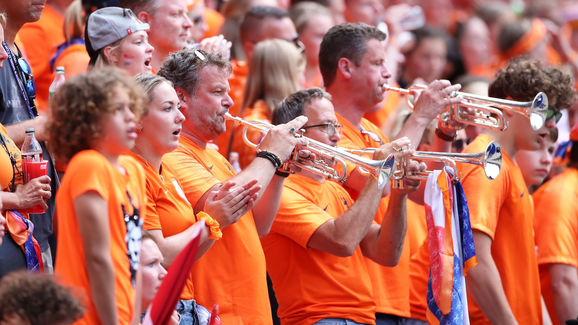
column 328, row 161
column 482, row 110
column 490, row 160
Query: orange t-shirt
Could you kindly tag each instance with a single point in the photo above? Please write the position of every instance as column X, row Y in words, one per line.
column 90, row 171
column 391, row 284
column 247, row 153
column 232, row 273
column 167, row 208
column 40, row 40
column 311, row 284
column 214, row 20
column 6, row 169
column 556, row 227
column 502, row 209
column 237, row 82
column 380, row 116
column 74, row 59
column 418, row 263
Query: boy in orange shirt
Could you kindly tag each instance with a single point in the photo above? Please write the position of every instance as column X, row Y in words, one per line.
column 504, row 287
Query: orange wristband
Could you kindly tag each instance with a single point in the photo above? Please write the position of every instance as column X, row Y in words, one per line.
column 214, row 226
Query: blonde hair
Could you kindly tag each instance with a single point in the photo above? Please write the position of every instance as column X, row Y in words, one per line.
column 73, row 23
column 274, row 73
column 102, row 61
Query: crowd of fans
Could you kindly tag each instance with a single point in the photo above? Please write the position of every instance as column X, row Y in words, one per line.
column 142, row 146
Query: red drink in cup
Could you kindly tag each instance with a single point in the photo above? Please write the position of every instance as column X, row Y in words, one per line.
column 32, row 170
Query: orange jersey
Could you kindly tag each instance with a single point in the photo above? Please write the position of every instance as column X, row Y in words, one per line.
column 391, row 284
column 40, row 40
column 246, row 153
column 418, row 265
column 556, row 226
column 311, row 284
column 167, row 208
column 232, row 272
column 502, row 209
column 90, row 171
column 7, row 172
column 74, row 59
column 237, row 82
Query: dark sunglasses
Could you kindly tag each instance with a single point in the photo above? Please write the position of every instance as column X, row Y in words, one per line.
column 330, row 128
column 30, row 85
column 552, row 113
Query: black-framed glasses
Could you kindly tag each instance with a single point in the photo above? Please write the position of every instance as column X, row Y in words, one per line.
column 552, row 113
column 30, row 85
column 330, row 128
column 297, row 42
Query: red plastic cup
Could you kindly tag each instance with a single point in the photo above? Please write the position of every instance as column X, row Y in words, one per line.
column 32, row 170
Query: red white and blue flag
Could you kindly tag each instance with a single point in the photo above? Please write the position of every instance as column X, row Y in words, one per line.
column 451, row 248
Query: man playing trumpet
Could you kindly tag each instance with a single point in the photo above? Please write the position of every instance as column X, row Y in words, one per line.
column 315, row 250
column 352, row 62
column 505, row 285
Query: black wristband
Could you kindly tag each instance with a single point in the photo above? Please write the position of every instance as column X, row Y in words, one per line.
column 444, row 136
column 282, row 173
column 277, row 163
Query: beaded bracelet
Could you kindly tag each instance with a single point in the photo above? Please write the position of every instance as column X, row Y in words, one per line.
column 273, row 158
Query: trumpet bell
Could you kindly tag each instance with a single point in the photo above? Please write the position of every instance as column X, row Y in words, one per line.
column 492, row 161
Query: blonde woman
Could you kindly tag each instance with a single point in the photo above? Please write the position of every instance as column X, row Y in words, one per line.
column 276, row 70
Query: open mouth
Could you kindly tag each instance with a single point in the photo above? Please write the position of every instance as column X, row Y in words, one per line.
column 147, row 63
column 177, row 132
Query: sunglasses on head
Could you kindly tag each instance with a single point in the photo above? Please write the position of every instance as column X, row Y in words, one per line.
column 330, row 128
column 30, row 85
column 552, row 113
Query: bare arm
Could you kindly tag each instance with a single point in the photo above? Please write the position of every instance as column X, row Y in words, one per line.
column 564, row 282
column 28, row 195
column 93, row 227
column 384, row 244
column 17, row 132
column 341, row 236
column 485, row 285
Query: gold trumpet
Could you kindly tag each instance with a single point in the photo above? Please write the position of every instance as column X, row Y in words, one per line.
column 330, row 161
column 484, row 111
column 490, row 160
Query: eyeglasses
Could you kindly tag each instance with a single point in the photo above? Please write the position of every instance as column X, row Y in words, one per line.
column 330, row 128
column 552, row 113
column 30, row 85
column 297, row 42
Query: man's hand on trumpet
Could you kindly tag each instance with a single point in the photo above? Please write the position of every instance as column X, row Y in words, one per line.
column 434, row 98
column 281, row 139
column 402, row 150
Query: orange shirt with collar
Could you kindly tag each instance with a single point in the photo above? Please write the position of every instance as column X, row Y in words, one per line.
column 40, row 40
column 556, row 226
column 311, row 284
column 503, row 209
column 237, row 82
column 167, row 208
column 391, row 284
column 232, row 273
column 90, row 171
column 246, row 153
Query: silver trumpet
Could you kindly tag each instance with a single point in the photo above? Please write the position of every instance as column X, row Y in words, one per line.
column 490, row 160
column 330, row 162
column 484, row 111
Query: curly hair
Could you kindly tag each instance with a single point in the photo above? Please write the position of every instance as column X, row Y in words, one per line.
column 348, row 40
column 38, row 299
column 523, row 78
column 80, row 104
column 183, row 68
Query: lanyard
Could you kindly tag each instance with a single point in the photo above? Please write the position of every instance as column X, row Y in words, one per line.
column 31, row 108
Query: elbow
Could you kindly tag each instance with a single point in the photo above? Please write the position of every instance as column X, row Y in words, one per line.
column 263, row 231
column 342, row 249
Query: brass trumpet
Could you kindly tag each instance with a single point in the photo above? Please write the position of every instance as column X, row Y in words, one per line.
column 330, row 162
column 485, row 111
column 490, row 159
